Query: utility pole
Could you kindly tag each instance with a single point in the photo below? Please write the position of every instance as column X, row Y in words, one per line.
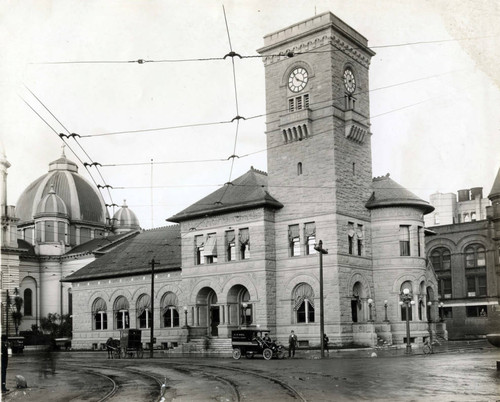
column 153, row 263
column 321, row 251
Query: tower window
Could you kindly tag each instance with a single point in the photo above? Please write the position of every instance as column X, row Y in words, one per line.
column 294, row 240
column 404, row 240
column 299, row 168
column 310, row 235
column 298, row 103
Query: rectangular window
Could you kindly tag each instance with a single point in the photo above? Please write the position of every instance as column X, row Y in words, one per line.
column 471, row 286
column 210, row 249
column 403, row 313
column 404, row 240
column 294, row 240
column 50, row 231
column 481, row 286
column 199, row 242
column 447, row 312
column 310, row 236
column 476, row 311
column 306, row 101
column 299, row 102
column 419, row 233
column 244, row 239
column 230, row 246
column 61, row 232
column 445, row 288
column 291, row 105
column 350, row 237
column 84, row 235
column 359, row 236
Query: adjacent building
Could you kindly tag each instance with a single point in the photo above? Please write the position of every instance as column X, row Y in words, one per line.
column 465, row 254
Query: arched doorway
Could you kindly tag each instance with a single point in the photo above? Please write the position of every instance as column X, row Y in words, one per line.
column 207, row 310
column 359, row 311
column 240, row 308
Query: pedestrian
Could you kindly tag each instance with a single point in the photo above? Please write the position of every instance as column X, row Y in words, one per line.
column 292, row 343
column 5, row 362
column 325, row 342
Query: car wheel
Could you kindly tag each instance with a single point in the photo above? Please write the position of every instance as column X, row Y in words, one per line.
column 236, row 354
column 267, row 353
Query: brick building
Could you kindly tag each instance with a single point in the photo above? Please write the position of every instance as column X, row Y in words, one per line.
column 245, row 254
column 465, row 255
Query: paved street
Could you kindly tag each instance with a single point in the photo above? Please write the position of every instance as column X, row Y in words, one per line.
column 459, row 375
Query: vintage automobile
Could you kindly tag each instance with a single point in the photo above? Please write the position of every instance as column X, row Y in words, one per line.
column 250, row 342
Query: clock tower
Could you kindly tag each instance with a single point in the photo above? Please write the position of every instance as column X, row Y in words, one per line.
column 319, row 156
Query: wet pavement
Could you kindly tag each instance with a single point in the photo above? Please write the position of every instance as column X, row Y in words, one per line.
column 457, row 372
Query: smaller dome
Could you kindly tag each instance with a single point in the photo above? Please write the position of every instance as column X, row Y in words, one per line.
column 51, row 205
column 125, row 220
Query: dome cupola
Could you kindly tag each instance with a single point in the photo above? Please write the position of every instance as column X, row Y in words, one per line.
column 51, row 205
column 125, row 220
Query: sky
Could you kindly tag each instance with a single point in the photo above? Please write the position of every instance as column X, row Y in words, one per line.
column 65, row 68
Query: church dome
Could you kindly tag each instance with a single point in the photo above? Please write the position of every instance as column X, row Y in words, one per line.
column 125, row 220
column 51, row 205
column 82, row 200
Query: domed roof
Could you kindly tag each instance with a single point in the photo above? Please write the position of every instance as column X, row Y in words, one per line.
column 83, row 201
column 51, row 205
column 388, row 193
column 125, row 219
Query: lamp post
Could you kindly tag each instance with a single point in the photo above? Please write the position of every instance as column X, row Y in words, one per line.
column 186, row 316
column 370, row 304
column 441, row 305
column 429, row 305
column 385, row 311
column 243, row 311
column 321, row 251
column 406, row 299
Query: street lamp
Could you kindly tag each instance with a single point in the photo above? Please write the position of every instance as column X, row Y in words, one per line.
column 407, row 300
column 370, row 304
column 441, row 305
column 186, row 316
column 385, row 308
column 243, row 311
column 429, row 318
column 319, row 248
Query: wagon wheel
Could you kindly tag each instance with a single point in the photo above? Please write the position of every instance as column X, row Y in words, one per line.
column 123, row 353
column 236, row 353
column 267, row 353
column 140, row 353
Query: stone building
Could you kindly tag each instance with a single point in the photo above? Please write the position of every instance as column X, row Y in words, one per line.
column 59, row 224
column 466, row 257
column 245, row 254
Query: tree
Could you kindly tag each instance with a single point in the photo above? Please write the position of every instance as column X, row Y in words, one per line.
column 57, row 325
column 17, row 316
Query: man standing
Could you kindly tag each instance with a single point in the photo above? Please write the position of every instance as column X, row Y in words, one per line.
column 292, row 343
column 5, row 361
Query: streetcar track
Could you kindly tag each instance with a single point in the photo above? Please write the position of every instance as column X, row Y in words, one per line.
column 292, row 391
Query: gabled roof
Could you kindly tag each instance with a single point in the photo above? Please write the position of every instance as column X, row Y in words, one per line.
column 388, row 193
column 495, row 190
column 246, row 192
column 133, row 256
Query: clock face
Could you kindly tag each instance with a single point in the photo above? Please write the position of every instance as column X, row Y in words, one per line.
column 349, row 80
column 298, row 79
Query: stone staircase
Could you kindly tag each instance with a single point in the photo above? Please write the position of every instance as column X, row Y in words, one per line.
column 204, row 346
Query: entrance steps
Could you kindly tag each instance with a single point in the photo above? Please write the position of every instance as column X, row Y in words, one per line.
column 204, row 346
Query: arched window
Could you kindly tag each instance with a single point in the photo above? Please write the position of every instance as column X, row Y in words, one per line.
column 441, row 259
column 299, row 168
column 144, row 311
column 406, row 285
column 121, row 312
column 99, row 313
column 169, row 310
column 475, row 256
column 303, row 298
column 28, row 302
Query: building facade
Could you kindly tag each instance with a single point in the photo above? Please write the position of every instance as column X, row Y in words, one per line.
column 246, row 254
column 466, row 258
